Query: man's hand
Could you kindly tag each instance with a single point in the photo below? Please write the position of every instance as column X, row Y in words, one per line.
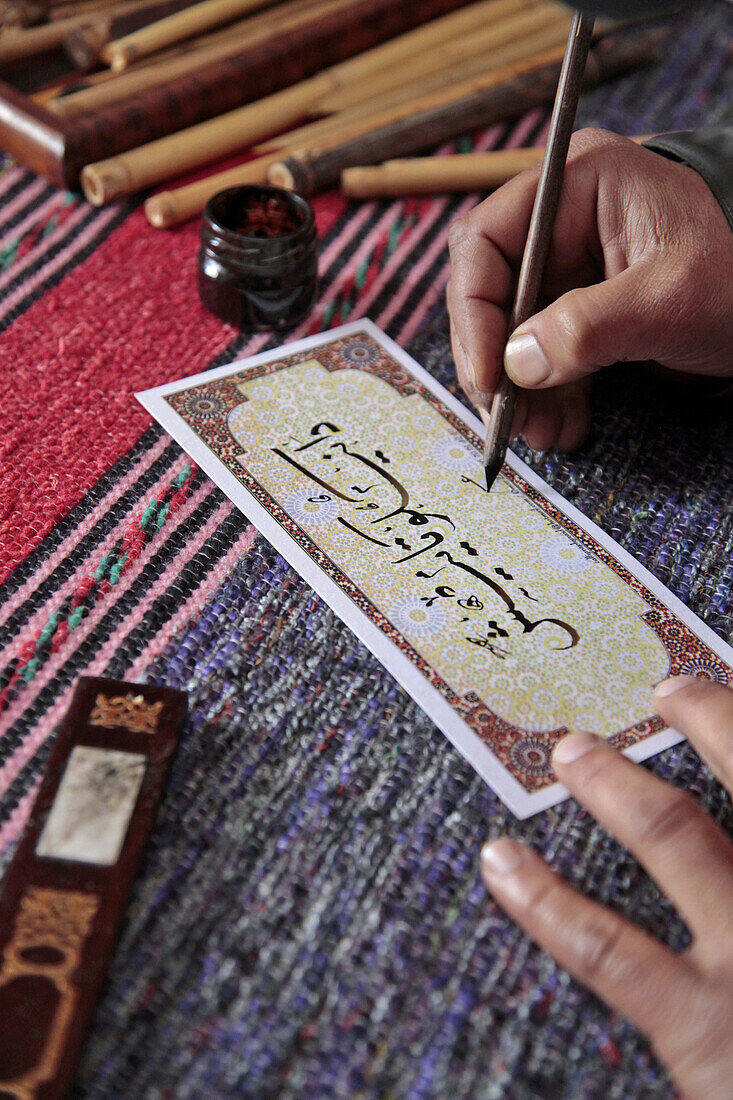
column 640, row 268
column 684, row 1003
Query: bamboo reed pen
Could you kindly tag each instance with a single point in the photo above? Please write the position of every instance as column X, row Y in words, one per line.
column 539, row 236
column 170, row 208
column 433, row 175
column 441, row 174
column 108, row 179
column 521, row 27
column 23, row 44
column 401, row 102
column 165, row 32
column 84, row 43
column 89, row 46
column 456, row 110
column 241, row 36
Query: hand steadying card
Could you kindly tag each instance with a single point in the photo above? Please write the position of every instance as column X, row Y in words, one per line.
column 684, row 1003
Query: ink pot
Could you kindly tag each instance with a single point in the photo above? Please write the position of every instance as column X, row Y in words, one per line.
column 258, row 262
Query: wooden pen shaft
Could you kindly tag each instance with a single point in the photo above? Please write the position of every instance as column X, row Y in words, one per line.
column 541, row 224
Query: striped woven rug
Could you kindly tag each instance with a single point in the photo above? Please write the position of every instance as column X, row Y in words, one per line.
column 308, row 921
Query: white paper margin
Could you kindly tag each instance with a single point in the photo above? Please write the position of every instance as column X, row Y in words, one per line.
column 520, row 802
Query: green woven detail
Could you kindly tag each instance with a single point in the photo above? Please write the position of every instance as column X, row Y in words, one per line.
column 49, row 629
column 50, row 226
column 76, row 617
column 30, row 670
column 102, row 567
column 395, row 232
column 8, row 254
column 361, row 274
column 327, row 315
column 114, row 573
column 163, row 514
column 148, row 514
column 184, row 474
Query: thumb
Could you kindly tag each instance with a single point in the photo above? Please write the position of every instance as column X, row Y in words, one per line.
column 589, row 328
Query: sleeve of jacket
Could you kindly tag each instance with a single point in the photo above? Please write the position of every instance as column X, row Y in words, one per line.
column 709, row 151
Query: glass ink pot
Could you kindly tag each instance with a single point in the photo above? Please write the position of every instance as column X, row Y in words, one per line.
column 258, row 261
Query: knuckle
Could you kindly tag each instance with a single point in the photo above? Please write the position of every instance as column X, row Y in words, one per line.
column 674, row 814
column 578, row 334
column 458, row 233
column 591, row 138
column 598, row 949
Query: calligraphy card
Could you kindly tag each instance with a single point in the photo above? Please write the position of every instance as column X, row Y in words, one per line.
column 509, row 617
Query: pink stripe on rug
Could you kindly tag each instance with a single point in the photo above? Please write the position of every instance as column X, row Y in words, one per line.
column 16, row 204
column 15, row 823
column 12, row 176
column 195, row 601
column 45, row 242
column 49, row 564
column 516, row 139
column 98, row 661
column 75, row 245
column 86, row 567
column 78, row 636
column 348, row 271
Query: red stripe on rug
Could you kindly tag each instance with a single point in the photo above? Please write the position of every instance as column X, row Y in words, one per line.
column 125, row 319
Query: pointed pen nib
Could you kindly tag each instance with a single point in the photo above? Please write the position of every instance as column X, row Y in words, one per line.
column 491, row 469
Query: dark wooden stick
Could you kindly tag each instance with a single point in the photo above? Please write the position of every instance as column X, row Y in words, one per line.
column 311, row 172
column 60, row 149
column 540, row 231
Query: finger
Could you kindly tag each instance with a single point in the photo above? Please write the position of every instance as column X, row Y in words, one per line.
column 665, row 828
column 635, row 974
column 555, row 418
column 703, row 711
column 544, row 422
column 482, row 278
column 576, row 416
column 479, row 398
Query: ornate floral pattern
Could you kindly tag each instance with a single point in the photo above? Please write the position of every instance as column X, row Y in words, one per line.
column 521, row 670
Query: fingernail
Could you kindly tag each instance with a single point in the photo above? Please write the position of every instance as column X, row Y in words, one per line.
column 573, row 747
column 501, row 857
column 525, row 360
column 673, row 684
column 471, row 369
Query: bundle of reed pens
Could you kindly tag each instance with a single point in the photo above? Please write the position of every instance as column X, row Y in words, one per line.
column 311, row 87
column 276, row 45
